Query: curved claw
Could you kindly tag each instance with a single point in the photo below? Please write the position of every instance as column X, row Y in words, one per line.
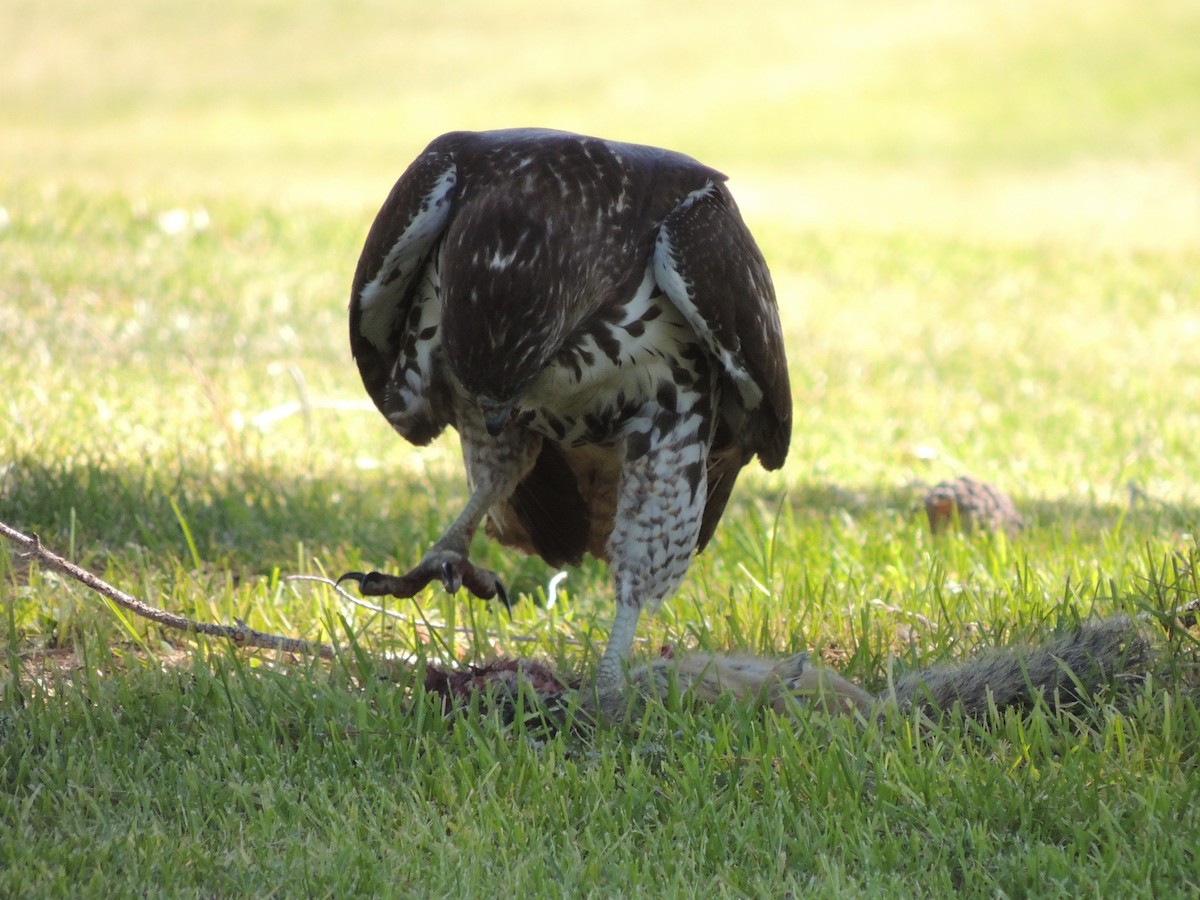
column 503, row 595
column 379, row 584
column 453, row 574
column 451, row 580
column 483, row 584
column 360, row 577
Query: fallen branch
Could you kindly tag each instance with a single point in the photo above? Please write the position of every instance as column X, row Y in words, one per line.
column 240, row 634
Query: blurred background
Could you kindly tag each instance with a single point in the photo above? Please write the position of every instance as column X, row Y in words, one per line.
column 1021, row 119
column 982, row 218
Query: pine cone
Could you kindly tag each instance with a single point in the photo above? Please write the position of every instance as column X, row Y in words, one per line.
column 978, row 506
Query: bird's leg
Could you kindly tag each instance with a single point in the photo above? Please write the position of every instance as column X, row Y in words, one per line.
column 660, row 505
column 610, row 674
column 495, row 466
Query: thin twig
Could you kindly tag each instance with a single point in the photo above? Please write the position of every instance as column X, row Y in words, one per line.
column 413, row 620
column 240, row 634
column 348, row 597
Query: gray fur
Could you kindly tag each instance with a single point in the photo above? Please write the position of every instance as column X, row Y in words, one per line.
column 1062, row 671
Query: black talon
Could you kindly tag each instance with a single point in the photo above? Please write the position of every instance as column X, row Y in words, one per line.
column 503, row 595
column 450, row 578
column 360, row 577
column 477, row 582
column 365, row 581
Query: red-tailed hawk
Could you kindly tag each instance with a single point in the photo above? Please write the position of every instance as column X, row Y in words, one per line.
column 597, row 323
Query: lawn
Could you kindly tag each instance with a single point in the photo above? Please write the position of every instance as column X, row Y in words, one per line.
column 983, row 223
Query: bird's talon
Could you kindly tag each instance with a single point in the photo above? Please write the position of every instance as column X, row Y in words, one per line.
column 503, row 595
column 360, row 577
column 454, row 575
column 451, row 580
column 369, row 583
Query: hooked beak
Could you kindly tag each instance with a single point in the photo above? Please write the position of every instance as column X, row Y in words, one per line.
column 496, row 415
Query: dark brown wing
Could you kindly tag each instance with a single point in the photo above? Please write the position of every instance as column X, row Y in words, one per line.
column 397, row 249
column 707, row 263
column 551, row 511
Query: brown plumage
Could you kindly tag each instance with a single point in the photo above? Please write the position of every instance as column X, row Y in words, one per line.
column 599, row 326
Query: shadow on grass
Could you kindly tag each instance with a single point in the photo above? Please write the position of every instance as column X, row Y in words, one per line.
column 255, row 513
column 257, row 516
column 1078, row 518
column 252, row 519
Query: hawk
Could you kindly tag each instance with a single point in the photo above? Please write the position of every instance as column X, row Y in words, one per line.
column 597, row 323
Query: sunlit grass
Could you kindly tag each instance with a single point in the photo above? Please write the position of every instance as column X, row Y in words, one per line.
column 982, row 222
column 992, row 117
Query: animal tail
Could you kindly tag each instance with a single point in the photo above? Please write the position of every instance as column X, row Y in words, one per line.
column 1063, row 671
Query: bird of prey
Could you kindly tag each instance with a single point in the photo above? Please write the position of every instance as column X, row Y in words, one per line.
column 597, row 323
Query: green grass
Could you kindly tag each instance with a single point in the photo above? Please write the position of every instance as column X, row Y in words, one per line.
column 982, row 220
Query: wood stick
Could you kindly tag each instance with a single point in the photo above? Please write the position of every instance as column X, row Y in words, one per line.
column 240, row 634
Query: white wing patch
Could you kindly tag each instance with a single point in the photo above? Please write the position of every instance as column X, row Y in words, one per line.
column 411, row 376
column 378, row 299
column 679, row 290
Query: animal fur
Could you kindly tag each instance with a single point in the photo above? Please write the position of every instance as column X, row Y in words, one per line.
column 1064, row 670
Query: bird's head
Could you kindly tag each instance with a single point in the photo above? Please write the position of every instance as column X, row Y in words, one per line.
column 506, row 303
column 494, row 370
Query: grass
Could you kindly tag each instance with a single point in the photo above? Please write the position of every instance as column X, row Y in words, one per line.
column 982, row 223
